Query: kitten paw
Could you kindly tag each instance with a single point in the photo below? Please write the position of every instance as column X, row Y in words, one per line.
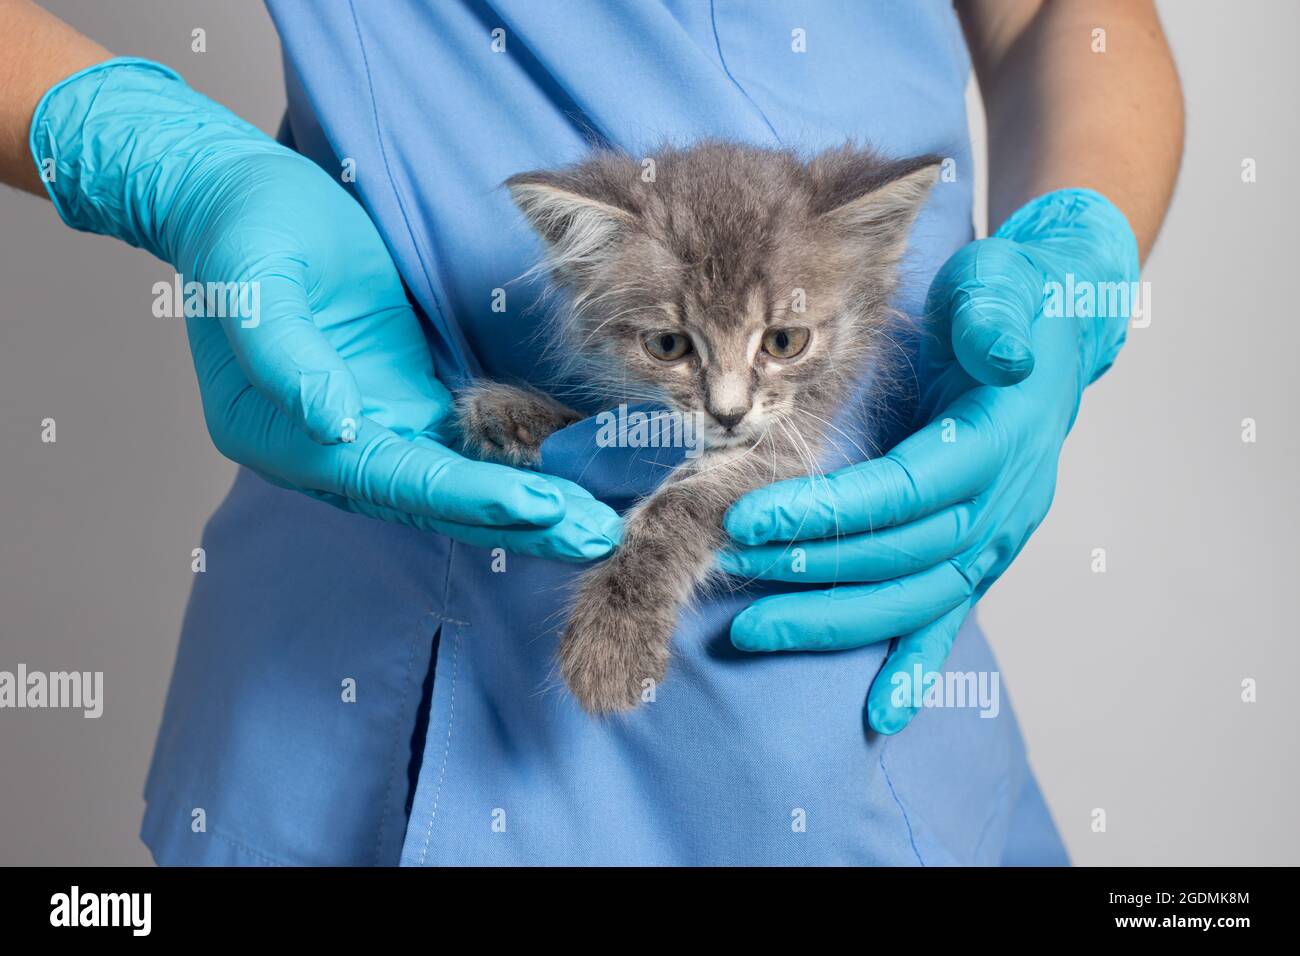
column 610, row 655
column 509, row 424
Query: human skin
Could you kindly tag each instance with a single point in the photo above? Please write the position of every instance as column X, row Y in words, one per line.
column 1109, row 121
column 1060, row 114
column 39, row 49
column 1085, row 129
column 333, row 394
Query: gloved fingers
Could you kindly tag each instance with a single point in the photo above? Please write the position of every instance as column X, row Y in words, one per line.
column 286, row 357
column 924, row 473
column 898, row 690
column 879, row 556
column 588, row 531
column 382, row 469
column 570, row 489
column 590, row 527
column 378, row 468
column 851, row 615
column 988, row 293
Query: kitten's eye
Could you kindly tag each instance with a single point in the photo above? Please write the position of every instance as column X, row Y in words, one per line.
column 667, row 346
column 785, row 343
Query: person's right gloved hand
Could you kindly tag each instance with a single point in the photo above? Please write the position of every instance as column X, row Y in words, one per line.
column 322, row 381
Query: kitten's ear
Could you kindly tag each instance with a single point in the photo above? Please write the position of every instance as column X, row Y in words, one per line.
column 578, row 226
column 871, row 203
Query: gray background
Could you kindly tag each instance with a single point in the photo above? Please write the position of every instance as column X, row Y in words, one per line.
column 1127, row 683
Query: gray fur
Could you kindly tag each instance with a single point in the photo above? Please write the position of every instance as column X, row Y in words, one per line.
column 726, row 242
column 509, row 423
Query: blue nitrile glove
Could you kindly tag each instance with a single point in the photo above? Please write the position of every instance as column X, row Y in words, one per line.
column 320, row 378
column 931, row 525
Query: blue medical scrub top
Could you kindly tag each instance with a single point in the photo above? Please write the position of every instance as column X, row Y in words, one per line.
column 262, row 758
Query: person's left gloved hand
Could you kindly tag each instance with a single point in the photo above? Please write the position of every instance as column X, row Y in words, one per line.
column 925, row 530
column 313, row 369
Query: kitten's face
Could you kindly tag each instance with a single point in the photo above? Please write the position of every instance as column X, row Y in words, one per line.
column 738, row 352
column 740, row 286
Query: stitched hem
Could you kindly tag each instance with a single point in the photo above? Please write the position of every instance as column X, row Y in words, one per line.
column 170, row 849
column 386, row 810
column 248, row 851
column 446, row 751
column 911, row 836
column 448, row 620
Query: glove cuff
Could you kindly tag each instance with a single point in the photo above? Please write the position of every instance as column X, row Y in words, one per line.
column 113, row 143
column 1090, row 260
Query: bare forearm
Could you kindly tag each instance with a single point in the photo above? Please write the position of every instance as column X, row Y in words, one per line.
column 1062, row 115
column 36, row 51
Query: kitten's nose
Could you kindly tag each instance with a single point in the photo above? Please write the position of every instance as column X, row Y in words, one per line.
column 731, row 419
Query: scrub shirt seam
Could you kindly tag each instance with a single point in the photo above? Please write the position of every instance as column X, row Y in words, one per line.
column 442, row 771
column 993, row 814
column 169, row 796
column 717, row 42
column 392, row 760
column 448, row 620
column 392, row 181
column 911, row 836
column 248, row 850
column 446, row 588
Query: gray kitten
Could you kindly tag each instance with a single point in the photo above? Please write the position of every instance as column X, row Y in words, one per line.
column 738, row 284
